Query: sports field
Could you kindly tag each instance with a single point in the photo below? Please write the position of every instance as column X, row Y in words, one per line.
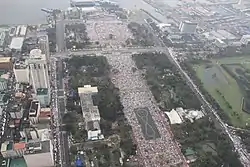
column 227, row 80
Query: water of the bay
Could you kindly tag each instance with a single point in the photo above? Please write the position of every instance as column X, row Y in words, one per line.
column 29, row 11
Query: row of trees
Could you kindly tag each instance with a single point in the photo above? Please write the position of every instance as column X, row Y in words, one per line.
column 204, row 132
column 165, row 82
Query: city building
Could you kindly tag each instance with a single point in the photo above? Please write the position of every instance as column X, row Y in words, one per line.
column 174, row 117
column 82, row 3
column 34, row 111
column 45, row 114
column 2, row 102
column 242, row 5
column 39, row 154
column 17, row 43
column 12, row 150
column 21, row 71
column 73, row 13
column 43, row 96
column 222, row 35
column 39, row 150
column 245, row 40
column 2, row 39
column 12, row 31
column 5, row 63
column 187, row 27
column 39, row 77
column 16, row 112
column 3, row 84
column 90, row 112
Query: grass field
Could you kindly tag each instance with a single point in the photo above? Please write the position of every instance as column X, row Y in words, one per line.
column 224, row 88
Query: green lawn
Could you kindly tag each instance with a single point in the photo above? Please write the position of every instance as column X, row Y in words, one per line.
column 228, row 87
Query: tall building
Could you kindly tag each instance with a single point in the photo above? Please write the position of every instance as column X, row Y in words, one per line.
column 90, row 112
column 43, row 44
column 187, row 27
column 21, row 71
column 34, row 112
column 38, row 70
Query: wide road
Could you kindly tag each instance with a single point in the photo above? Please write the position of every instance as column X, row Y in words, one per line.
column 100, row 52
column 61, row 109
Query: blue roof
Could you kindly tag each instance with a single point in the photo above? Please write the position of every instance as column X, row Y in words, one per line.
column 78, row 162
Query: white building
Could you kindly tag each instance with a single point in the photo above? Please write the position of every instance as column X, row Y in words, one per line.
column 187, row 27
column 82, row 3
column 34, row 112
column 21, row 71
column 245, row 40
column 174, row 117
column 23, row 31
column 17, row 43
column 38, row 69
column 90, row 112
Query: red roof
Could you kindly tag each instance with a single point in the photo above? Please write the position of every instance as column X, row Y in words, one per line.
column 44, row 114
column 19, row 145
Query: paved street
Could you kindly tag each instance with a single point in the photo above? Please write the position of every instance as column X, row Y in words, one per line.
column 100, row 52
column 61, row 144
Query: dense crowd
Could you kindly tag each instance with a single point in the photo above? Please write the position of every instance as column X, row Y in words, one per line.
column 54, row 115
column 118, row 32
column 135, row 93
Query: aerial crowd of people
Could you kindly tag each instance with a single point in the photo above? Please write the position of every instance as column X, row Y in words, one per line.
column 135, row 94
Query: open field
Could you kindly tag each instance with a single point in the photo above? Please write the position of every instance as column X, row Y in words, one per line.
column 227, row 80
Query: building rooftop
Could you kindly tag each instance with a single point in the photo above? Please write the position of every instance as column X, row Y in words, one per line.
column 16, row 43
column 33, row 108
column 44, row 134
column 87, row 89
column 19, row 162
column 20, row 65
column 174, row 117
column 19, row 145
column 42, row 91
column 4, row 146
column 5, row 59
column 39, row 155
